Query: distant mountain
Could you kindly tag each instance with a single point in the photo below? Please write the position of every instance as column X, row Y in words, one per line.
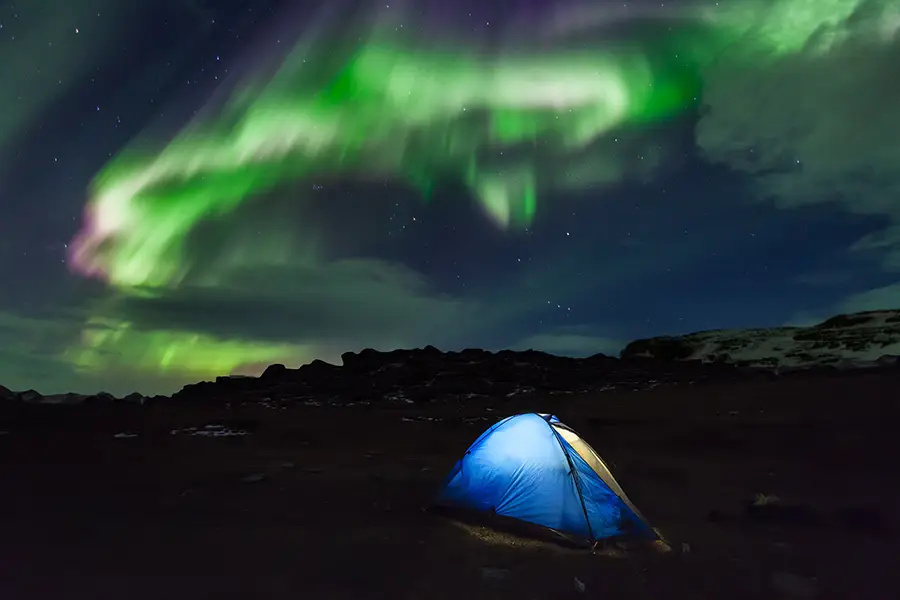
column 34, row 397
column 852, row 341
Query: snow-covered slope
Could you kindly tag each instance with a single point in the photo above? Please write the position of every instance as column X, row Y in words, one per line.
column 866, row 339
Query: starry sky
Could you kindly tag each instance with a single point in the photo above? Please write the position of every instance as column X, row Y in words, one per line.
column 193, row 188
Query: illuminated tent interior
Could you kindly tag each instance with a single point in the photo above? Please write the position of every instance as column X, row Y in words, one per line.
column 533, row 469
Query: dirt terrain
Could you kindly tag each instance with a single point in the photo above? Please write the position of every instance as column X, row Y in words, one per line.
column 327, row 502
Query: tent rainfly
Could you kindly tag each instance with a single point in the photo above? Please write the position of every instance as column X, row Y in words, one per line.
column 534, row 469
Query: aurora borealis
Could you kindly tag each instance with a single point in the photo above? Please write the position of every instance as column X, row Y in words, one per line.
column 375, row 176
column 405, row 115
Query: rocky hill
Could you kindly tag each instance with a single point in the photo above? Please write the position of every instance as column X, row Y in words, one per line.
column 856, row 341
column 859, row 340
column 429, row 376
column 420, row 376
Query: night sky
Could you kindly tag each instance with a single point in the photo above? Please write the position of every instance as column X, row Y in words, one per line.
column 193, row 188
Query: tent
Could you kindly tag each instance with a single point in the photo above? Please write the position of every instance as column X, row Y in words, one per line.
column 533, row 469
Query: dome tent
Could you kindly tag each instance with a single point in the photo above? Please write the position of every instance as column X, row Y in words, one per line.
column 534, row 469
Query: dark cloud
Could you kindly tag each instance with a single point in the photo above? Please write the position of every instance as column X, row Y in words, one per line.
column 362, row 300
column 820, row 127
column 817, row 126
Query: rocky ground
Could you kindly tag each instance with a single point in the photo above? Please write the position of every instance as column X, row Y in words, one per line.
column 274, row 488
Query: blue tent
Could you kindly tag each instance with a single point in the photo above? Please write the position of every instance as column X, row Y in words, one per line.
column 533, row 468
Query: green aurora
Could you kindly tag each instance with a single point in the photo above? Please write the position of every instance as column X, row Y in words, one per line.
column 512, row 128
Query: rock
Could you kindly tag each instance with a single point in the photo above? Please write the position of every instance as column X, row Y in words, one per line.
column 274, row 371
column 133, row 398
column 30, row 396
column 6, row 394
column 317, row 370
column 64, row 399
column 666, row 348
column 765, row 500
column 366, row 359
column 210, row 431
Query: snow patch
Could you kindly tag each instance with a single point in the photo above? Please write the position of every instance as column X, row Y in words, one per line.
column 210, row 431
column 861, row 340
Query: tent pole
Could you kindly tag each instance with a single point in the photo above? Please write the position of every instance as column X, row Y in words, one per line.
column 574, row 474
